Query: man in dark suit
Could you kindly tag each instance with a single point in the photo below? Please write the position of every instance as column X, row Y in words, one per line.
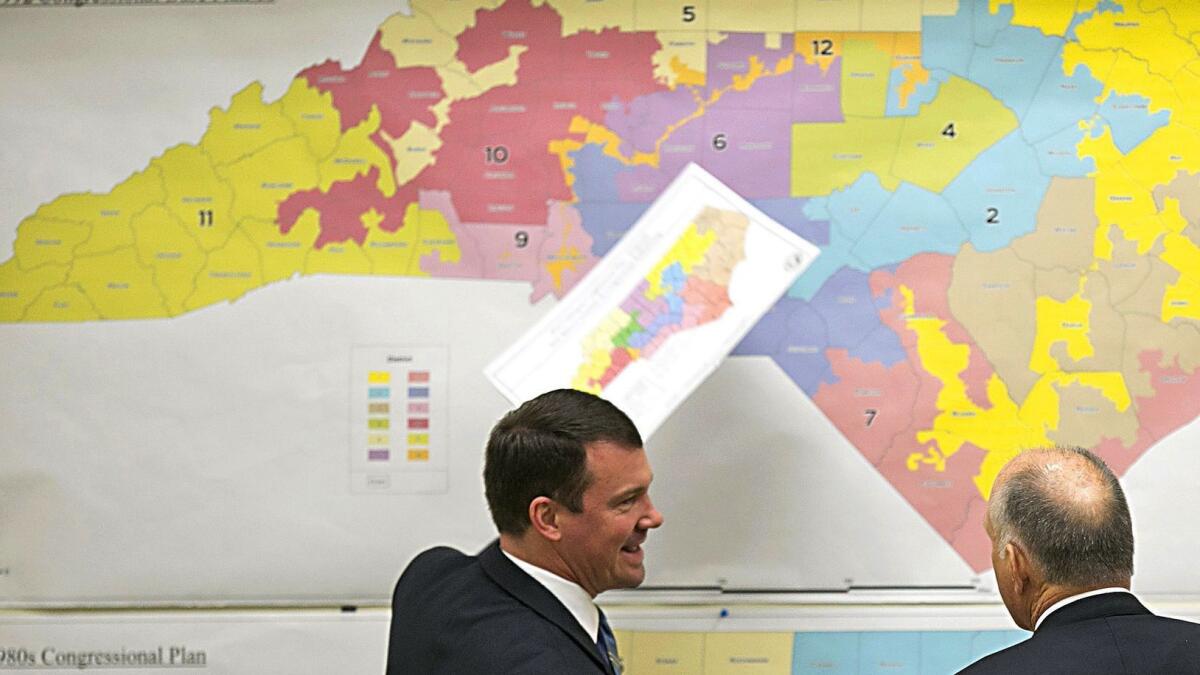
column 567, row 483
column 1062, row 550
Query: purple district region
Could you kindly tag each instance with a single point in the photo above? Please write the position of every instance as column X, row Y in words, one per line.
column 647, row 118
column 745, row 137
column 852, row 316
column 810, row 94
column 747, row 149
column 793, row 334
column 843, row 314
column 730, row 58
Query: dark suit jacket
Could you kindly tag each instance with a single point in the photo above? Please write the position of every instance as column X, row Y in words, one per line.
column 460, row 614
column 1103, row 634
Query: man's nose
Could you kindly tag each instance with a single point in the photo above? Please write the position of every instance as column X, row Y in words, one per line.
column 652, row 519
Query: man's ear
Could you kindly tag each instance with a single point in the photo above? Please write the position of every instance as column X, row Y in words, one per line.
column 543, row 516
column 1018, row 565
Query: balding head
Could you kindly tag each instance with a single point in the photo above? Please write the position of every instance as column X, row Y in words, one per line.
column 1067, row 511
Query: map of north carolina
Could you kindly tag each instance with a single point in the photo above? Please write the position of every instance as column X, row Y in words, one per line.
column 1006, row 195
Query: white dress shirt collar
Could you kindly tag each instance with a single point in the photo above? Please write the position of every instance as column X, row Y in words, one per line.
column 570, row 594
column 1068, row 600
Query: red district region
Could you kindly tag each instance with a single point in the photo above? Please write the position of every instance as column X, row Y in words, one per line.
column 403, row 95
column 495, row 157
column 948, row 499
column 1176, row 401
column 342, row 206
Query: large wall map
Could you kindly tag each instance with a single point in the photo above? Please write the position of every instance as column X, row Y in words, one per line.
column 1006, row 196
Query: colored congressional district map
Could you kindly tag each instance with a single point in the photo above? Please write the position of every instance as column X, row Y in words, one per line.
column 689, row 287
column 1006, row 194
column 839, row 653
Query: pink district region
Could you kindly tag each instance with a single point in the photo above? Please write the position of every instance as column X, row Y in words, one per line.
column 941, row 489
column 495, row 159
column 565, row 255
column 1176, row 401
column 871, row 404
column 486, row 251
column 928, row 276
column 341, row 209
column 403, row 95
column 552, row 255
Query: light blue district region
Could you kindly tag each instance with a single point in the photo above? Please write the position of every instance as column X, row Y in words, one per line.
column 923, row 94
column 898, row 653
column 1013, row 67
column 923, row 653
column 997, row 196
column 1057, row 155
column 1130, row 120
column 946, row 42
column 987, row 24
column 833, row 653
column 850, row 212
column 914, row 221
column 1061, row 101
column 1102, row 6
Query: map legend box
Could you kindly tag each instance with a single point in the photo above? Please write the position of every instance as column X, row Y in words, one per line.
column 412, row 460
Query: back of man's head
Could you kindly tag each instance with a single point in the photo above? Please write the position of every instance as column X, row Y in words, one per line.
column 1067, row 510
column 540, row 449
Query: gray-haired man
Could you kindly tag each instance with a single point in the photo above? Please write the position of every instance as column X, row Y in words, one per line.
column 1062, row 550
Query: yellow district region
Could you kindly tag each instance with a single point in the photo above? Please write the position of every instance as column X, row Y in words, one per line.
column 1149, row 37
column 821, row 49
column 44, row 241
column 246, row 127
column 1124, row 182
column 1185, row 14
column 906, row 55
column 566, row 258
column 689, row 250
column 1182, row 298
column 118, row 286
column 197, row 226
column 593, row 15
column 196, row 195
column 266, row 178
column 419, row 40
column 172, row 251
column 313, row 117
column 356, row 154
column 683, row 59
column 596, row 348
column 229, row 273
column 1003, row 430
column 19, row 289
column 735, row 653
column 866, row 68
column 108, row 216
column 1052, row 17
column 1065, row 322
column 912, row 149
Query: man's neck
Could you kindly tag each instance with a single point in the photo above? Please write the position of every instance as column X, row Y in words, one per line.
column 529, row 550
column 1054, row 594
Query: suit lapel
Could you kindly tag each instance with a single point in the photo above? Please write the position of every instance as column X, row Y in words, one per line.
column 1094, row 607
column 532, row 594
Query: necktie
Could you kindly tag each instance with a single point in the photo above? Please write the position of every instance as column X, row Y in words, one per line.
column 606, row 643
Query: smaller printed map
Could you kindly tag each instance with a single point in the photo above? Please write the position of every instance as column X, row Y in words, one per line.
column 662, row 310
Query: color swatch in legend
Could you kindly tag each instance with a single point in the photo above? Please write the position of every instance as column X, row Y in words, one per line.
column 398, row 420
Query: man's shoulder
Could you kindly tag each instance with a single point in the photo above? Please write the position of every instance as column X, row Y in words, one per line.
column 1144, row 642
column 439, row 573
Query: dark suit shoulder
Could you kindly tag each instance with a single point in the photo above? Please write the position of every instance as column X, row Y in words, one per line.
column 450, row 616
column 1141, row 644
